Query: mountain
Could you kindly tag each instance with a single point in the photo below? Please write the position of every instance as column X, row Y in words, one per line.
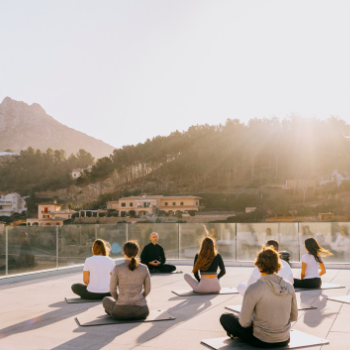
column 23, row 126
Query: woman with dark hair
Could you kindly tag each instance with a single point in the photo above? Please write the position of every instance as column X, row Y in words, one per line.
column 269, row 306
column 207, row 261
column 310, row 263
column 97, row 273
column 130, row 284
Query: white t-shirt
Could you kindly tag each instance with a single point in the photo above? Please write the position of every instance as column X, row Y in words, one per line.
column 311, row 270
column 285, row 272
column 100, row 268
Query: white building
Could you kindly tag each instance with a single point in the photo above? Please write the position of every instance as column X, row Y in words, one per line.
column 78, row 171
column 12, row 203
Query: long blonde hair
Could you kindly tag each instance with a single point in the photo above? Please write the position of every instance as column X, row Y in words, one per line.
column 206, row 255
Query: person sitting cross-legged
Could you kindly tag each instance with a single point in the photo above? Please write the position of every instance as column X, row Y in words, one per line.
column 130, row 285
column 153, row 256
column 285, row 271
column 269, row 306
column 97, row 273
column 207, row 262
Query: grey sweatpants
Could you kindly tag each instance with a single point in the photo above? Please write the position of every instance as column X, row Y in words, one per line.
column 124, row 312
column 206, row 285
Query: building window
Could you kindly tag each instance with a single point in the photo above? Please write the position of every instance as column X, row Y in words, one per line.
column 131, row 204
column 174, row 203
column 166, row 203
column 181, row 203
column 123, row 204
column 196, row 203
column 146, row 204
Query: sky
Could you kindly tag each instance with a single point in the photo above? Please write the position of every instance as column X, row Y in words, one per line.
column 124, row 71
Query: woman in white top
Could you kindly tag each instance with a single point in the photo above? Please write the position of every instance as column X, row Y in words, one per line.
column 310, row 263
column 97, row 273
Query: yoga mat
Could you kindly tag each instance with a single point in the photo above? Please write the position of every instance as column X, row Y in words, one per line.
column 343, row 299
column 298, row 339
column 190, row 292
column 80, row 301
column 237, row 308
column 91, row 320
column 323, row 287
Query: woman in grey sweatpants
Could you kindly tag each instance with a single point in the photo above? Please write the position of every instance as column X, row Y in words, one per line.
column 130, row 284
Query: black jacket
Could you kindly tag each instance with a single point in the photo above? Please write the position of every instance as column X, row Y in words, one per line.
column 152, row 252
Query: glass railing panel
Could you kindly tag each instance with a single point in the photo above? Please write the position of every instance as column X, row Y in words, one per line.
column 2, row 251
column 168, row 236
column 75, row 244
column 31, row 249
column 115, row 236
column 288, row 239
column 333, row 236
column 191, row 236
column 252, row 236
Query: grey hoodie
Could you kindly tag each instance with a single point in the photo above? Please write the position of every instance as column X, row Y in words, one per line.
column 270, row 305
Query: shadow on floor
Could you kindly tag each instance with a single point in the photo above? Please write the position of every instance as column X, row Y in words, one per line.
column 62, row 311
column 98, row 337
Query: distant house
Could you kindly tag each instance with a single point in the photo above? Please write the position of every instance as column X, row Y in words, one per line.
column 78, row 171
column 144, row 205
column 336, row 177
column 9, row 154
column 250, row 209
column 326, row 216
column 50, row 214
column 12, row 203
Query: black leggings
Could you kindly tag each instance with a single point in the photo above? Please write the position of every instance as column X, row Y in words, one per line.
column 81, row 290
column 234, row 329
column 308, row 283
column 165, row 268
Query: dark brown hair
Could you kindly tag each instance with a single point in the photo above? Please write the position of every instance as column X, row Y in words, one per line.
column 314, row 248
column 267, row 261
column 100, row 247
column 272, row 243
column 206, row 255
column 131, row 249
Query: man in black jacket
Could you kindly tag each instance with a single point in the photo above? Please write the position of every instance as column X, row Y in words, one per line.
column 153, row 256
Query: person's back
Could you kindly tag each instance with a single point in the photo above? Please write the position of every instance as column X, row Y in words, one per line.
column 271, row 302
column 100, row 268
column 130, row 284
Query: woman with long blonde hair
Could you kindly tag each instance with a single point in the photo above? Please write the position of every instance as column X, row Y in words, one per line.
column 207, row 262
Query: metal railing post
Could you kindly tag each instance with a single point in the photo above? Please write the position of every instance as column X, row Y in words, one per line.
column 236, row 242
column 178, row 241
column 299, row 246
column 126, row 232
column 57, row 246
column 7, row 250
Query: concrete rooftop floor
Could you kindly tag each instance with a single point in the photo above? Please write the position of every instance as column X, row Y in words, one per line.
column 34, row 315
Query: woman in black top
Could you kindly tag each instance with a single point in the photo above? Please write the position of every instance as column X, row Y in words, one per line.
column 207, row 262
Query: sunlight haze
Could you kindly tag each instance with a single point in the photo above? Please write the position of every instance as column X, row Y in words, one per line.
column 125, row 71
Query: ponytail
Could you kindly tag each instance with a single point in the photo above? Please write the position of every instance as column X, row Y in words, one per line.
column 131, row 249
column 133, row 264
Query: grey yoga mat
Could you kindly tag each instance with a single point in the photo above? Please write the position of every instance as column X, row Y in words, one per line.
column 91, row 320
column 81, row 301
column 298, row 339
column 323, row 287
column 190, row 292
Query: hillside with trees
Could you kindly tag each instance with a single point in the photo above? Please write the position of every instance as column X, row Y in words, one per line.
column 274, row 164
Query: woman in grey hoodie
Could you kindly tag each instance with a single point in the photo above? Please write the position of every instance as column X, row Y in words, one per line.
column 269, row 306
